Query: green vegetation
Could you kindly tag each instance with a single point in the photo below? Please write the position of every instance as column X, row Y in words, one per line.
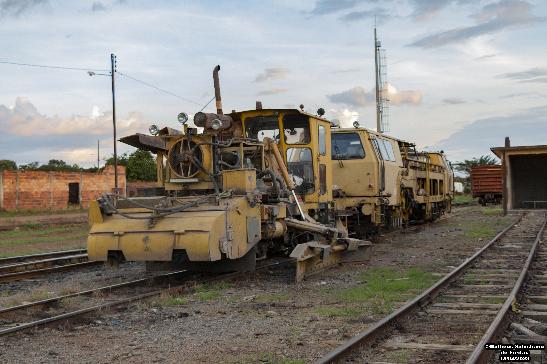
column 480, row 229
column 462, row 200
column 29, row 238
column 40, row 212
column 210, row 291
column 378, row 290
column 492, row 211
column 140, row 165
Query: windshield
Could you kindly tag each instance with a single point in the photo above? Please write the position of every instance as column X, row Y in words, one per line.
column 347, row 146
column 260, row 127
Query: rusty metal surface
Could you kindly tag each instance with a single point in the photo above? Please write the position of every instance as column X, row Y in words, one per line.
column 23, row 258
column 486, row 179
column 170, row 290
column 381, row 326
column 146, row 142
column 42, row 263
column 11, row 277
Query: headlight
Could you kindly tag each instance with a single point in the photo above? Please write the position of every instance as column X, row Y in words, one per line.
column 153, row 129
column 356, row 124
column 216, row 124
column 182, row 118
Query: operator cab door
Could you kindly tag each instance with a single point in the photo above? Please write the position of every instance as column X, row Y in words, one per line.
column 324, row 170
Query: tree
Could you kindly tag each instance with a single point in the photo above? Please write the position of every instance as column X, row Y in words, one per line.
column 7, row 165
column 139, row 165
column 468, row 164
column 57, row 165
column 33, row 166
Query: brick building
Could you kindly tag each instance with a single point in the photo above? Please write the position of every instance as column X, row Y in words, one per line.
column 37, row 190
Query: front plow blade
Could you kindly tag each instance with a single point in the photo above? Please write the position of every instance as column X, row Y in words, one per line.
column 313, row 256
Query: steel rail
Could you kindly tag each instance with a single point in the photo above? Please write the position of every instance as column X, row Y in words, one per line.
column 88, row 292
column 35, row 264
column 11, row 277
column 479, row 355
column 22, row 258
column 175, row 289
column 381, row 326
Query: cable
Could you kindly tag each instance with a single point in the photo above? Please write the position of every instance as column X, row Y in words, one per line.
column 55, row 67
column 158, row 88
column 207, row 104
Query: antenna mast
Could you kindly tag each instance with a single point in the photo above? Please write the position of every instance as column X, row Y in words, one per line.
column 382, row 101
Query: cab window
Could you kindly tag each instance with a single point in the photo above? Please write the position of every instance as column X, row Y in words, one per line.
column 300, row 167
column 322, row 137
column 260, row 127
column 296, row 129
column 346, row 146
column 389, row 150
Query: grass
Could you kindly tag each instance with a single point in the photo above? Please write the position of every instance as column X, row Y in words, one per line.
column 36, row 238
column 462, row 200
column 480, row 229
column 210, row 291
column 378, row 290
column 40, row 212
column 491, row 211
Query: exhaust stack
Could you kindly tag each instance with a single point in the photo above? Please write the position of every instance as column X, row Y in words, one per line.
column 218, row 100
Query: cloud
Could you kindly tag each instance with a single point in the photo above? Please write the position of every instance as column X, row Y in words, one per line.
column 346, row 117
column 425, row 9
column 275, row 73
column 24, row 120
column 382, row 14
column 347, row 70
column 486, row 56
column 98, row 6
column 535, row 74
column 323, row 7
column 523, row 94
column 359, row 97
column 18, row 7
column 527, row 127
column 492, row 18
column 453, row 101
column 273, row 91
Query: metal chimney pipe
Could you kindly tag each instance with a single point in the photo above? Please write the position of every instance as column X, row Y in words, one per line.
column 218, row 100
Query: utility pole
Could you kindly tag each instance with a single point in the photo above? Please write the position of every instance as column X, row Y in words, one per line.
column 377, row 69
column 98, row 160
column 113, row 73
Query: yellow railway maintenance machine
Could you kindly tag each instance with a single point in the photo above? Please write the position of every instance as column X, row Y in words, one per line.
column 383, row 182
column 252, row 184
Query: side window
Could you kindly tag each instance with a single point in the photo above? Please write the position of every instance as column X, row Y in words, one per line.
column 322, row 140
column 345, row 146
column 376, row 147
column 389, row 149
column 300, row 167
column 296, row 129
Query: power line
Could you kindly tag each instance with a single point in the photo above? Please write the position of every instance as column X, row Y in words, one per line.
column 207, row 104
column 158, row 88
column 55, row 67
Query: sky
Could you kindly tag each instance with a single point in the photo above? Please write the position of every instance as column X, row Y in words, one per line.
column 462, row 74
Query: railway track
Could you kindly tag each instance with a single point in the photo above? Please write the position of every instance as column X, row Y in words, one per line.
column 28, row 266
column 23, row 317
column 453, row 320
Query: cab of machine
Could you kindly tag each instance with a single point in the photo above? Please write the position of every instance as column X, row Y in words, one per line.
column 365, row 163
column 304, row 142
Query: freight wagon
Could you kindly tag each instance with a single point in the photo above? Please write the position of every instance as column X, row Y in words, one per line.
column 486, row 184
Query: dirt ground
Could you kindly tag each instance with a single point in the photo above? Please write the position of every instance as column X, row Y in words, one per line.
column 264, row 317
